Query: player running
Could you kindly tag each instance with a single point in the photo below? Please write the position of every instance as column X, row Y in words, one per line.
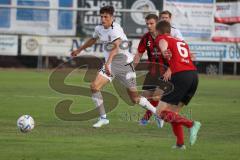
column 185, row 80
column 118, row 63
column 157, row 67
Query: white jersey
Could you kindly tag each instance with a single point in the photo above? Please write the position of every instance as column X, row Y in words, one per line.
column 176, row 33
column 109, row 35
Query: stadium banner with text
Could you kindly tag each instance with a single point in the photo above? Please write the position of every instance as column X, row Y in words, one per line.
column 227, row 12
column 88, row 20
column 132, row 23
column 216, row 52
column 38, row 21
column 8, row 45
column 194, row 19
column 62, row 46
column 48, row 46
column 226, row 33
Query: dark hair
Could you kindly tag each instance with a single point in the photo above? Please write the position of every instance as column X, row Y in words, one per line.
column 163, row 27
column 107, row 9
column 152, row 16
column 165, row 12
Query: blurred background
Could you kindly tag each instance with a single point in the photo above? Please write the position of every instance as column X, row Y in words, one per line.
column 41, row 33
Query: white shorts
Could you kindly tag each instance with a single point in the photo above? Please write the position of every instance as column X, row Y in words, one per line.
column 123, row 73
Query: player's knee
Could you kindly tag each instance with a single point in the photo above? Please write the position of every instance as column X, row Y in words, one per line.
column 135, row 100
column 94, row 87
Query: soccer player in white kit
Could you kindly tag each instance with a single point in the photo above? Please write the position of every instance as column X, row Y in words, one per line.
column 118, row 63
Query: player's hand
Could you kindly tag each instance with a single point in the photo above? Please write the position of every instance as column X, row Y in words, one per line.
column 107, row 69
column 75, row 53
column 193, row 56
column 167, row 54
column 167, row 75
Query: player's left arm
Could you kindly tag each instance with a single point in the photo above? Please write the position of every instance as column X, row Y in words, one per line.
column 116, row 43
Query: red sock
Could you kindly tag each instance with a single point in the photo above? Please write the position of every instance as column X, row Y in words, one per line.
column 148, row 113
column 178, row 132
column 172, row 117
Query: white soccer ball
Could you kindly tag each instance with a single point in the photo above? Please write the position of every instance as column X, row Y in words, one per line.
column 25, row 123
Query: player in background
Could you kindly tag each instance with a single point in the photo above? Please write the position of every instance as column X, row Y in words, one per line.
column 185, row 80
column 156, row 67
column 167, row 16
column 118, row 63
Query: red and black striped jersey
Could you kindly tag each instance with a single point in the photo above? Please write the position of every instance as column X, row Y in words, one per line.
column 147, row 43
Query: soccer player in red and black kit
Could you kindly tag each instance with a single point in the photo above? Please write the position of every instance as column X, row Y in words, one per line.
column 185, row 80
column 156, row 67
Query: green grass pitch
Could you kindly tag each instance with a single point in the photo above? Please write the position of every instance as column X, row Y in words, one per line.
column 216, row 105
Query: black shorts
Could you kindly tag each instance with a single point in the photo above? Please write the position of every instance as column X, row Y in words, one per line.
column 152, row 82
column 185, row 85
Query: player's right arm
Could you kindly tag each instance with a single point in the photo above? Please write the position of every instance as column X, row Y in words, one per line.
column 87, row 44
column 140, row 51
column 163, row 46
column 137, row 59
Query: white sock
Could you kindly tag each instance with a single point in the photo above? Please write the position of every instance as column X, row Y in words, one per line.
column 147, row 105
column 104, row 116
column 98, row 99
